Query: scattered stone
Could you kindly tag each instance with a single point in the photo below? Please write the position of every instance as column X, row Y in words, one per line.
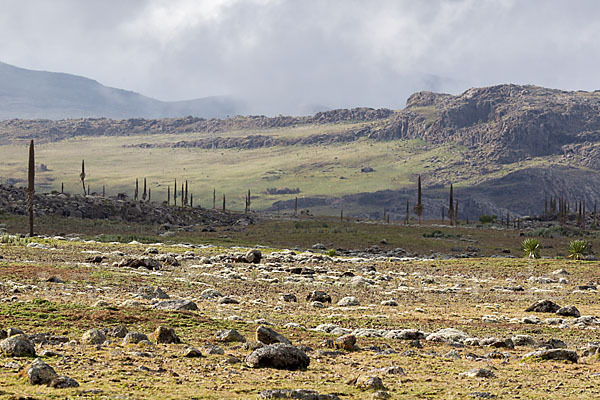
column 192, row 352
column 118, row 331
column 317, row 304
column 482, row 395
column 318, row 295
column 54, row 279
column 349, row 301
column 569, row 311
column 210, row 294
column 40, row 373
column 478, row 373
column 346, row 342
column 405, row 334
column 296, row 394
column 389, row 303
column 368, row 382
column 14, row 331
column 523, row 340
column 553, row 354
column 544, row 306
column 253, row 256
column 279, row 356
column 176, row 305
column 229, row 335
column 447, row 335
column 149, row 292
column 101, row 304
column 165, row 335
column 228, row 300
column 212, row 349
column 93, row 336
column 288, row 297
column 269, row 336
column 134, row 338
column 380, row 395
column 142, row 262
column 63, row 382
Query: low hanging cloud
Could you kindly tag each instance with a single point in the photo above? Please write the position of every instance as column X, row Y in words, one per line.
column 288, row 56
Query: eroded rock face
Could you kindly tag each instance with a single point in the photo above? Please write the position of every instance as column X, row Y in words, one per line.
column 279, row 356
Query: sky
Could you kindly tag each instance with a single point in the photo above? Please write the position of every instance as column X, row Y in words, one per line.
column 291, row 56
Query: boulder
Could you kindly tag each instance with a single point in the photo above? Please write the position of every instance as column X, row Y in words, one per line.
column 134, row 338
column 17, row 346
column 544, row 306
column 569, row 311
column 165, row 335
column 176, row 305
column 318, row 295
column 40, row 373
column 63, row 382
column 269, row 336
column 279, row 356
column 93, row 336
column 345, row 342
column 553, row 354
column 349, row 301
column 229, row 335
column 296, row 394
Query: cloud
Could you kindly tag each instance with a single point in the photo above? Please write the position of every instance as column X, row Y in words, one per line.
column 286, row 56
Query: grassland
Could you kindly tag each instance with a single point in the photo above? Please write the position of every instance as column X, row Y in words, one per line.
column 421, row 288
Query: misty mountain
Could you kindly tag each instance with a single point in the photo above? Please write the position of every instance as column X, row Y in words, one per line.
column 49, row 95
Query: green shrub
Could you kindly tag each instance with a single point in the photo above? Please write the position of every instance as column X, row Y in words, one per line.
column 14, row 240
column 331, row 253
column 554, row 232
column 531, row 247
column 578, row 249
column 488, row 219
column 439, row 234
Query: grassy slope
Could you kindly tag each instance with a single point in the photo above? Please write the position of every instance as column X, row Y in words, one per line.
column 316, row 170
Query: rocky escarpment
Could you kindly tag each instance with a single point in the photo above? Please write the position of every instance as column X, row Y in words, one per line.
column 504, row 123
column 13, row 201
column 47, row 130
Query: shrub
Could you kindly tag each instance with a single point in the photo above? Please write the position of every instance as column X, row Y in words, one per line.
column 578, row 249
column 488, row 219
column 531, row 247
column 554, row 232
column 331, row 253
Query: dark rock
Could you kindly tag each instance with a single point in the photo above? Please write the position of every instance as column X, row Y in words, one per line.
column 229, row 335
column 279, row 356
column 269, row 336
column 553, row 354
column 17, row 346
column 63, row 382
column 544, row 306
column 253, row 256
column 176, row 305
column 569, row 311
column 318, row 295
column 134, row 338
column 288, row 297
column 54, row 279
column 298, row 394
column 165, row 335
column 40, row 373
column 346, row 342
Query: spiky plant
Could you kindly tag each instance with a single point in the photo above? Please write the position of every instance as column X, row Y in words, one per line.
column 168, row 195
column 136, row 193
column 578, row 249
column 451, row 206
column 82, row 176
column 145, row 193
column 531, row 247
column 175, row 193
column 223, row 202
column 418, row 209
column 214, row 199
column 31, row 186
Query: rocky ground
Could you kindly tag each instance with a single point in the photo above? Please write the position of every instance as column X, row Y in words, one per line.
column 84, row 319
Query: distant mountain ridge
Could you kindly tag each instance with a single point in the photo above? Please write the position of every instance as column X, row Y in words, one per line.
column 28, row 94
